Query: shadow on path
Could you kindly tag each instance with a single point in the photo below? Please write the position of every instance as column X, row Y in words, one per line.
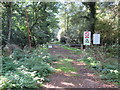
column 84, row 78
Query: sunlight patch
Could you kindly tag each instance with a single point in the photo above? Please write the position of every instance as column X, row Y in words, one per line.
column 74, row 72
column 58, row 70
column 80, row 63
column 90, row 75
column 68, row 60
column 51, row 86
column 67, row 84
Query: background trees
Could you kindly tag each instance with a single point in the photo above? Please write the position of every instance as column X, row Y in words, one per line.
column 40, row 17
column 93, row 16
column 68, row 21
column 41, row 22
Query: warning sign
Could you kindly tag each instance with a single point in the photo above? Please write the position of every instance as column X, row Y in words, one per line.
column 87, row 38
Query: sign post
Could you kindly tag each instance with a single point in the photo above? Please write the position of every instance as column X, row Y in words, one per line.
column 87, row 38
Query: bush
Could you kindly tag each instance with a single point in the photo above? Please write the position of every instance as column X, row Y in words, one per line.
column 26, row 70
column 108, row 69
column 112, row 51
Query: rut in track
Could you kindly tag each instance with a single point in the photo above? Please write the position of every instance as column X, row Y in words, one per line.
column 84, row 79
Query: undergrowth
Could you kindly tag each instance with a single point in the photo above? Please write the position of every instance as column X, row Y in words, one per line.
column 65, row 65
column 74, row 50
column 26, row 69
column 106, row 67
column 103, row 60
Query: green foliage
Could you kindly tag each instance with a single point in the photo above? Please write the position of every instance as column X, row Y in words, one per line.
column 28, row 70
column 72, row 24
column 41, row 19
column 65, row 65
column 78, row 17
column 91, row 61
column 112, row 51
column 107, row 21
column 110, row 71
column 18, row 79
column 107, row 72
column 74, row 50
column 107, row 69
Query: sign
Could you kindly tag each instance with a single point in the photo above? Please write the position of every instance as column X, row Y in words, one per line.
column 87, row 38
column 50, row 46
column 96, row 38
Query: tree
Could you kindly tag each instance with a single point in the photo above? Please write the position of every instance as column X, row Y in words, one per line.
column 41, row 19
column 92, row 16
column 74, row 22
column 8, row 6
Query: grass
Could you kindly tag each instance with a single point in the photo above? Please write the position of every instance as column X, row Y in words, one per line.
column 104, row 66
column 74, row 50
column 75, row 74
column 65, row 65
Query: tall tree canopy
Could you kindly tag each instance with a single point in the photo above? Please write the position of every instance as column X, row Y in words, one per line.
column 41, row 22
column 44, row 20
column 93, row 16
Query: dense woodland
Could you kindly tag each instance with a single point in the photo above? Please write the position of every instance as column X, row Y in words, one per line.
column 43, row 21
column 30, row 25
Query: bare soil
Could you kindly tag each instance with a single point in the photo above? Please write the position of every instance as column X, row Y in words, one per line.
column 85, row 77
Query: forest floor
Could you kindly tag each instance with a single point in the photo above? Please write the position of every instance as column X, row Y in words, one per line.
column 80, row 75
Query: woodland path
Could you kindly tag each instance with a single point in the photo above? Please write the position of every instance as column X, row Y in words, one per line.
column 84, row 78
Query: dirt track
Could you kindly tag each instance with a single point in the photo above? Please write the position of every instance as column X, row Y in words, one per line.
column 86, row 78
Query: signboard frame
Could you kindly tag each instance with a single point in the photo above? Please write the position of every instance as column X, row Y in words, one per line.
column 87, row 38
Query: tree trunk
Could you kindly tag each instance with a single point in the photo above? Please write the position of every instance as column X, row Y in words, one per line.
column 9, row 22
column 29, row 32
column 92, row 18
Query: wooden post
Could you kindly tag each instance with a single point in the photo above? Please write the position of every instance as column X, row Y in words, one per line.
column 82, row 46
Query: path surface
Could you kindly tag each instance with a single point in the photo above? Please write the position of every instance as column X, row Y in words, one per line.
column 85, row 78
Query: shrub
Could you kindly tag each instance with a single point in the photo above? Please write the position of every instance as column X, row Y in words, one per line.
column 108, row 71
column 112, row 51
column 26, row 70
